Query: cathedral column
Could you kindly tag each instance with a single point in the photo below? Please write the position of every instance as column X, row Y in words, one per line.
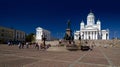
column 83, row 35
column 90, row 35
column 96, row 35
column 86, row 34
column 93, row 35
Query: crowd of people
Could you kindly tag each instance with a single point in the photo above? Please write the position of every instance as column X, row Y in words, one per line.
column 22, row 45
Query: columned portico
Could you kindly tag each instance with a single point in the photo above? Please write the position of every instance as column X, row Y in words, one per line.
column 91, row 31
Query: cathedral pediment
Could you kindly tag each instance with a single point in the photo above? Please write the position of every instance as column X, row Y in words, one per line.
column 90, row 27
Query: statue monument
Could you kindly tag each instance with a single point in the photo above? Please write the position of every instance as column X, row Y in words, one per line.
column 68, row 34
column 70, row 44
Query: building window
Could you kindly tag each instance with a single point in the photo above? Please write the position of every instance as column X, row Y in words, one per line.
column 2, row 35
column 17, row 36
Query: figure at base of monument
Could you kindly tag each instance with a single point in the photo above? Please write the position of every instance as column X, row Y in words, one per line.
column 70, row 44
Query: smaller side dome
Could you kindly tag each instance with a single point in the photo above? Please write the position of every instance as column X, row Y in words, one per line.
column 82, row 22
column 98, row 21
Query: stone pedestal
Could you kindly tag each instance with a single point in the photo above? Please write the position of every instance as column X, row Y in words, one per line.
column 68, row 32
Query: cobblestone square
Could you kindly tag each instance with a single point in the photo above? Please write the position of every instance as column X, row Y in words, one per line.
column 11, row 56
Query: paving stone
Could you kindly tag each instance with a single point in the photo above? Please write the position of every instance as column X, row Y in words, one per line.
column 116, row 62
column 11, row 56
column 94, row 60
column 88, row 65
column 16, row 63
column 48, row 64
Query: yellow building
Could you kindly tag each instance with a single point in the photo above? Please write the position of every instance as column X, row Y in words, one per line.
column 9, row 34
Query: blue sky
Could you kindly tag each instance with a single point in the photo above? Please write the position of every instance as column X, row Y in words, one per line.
column 53, row 15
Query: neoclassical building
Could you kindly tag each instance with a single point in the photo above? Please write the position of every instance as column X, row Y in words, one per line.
column 92, row 30
column 10, row 34
column 40, row 33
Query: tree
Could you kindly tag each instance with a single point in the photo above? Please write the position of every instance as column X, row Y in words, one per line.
column 29, row 37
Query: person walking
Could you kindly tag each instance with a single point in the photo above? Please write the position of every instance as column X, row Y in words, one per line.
column 8, row 43
column 27, row 45
column 37, row 46
column 19, row 45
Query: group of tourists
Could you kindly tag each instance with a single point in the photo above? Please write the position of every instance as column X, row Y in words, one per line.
column 37, row 46
column 22, row 45
column 89, row 45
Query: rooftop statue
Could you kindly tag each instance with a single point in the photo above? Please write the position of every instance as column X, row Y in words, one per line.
column 68, row 24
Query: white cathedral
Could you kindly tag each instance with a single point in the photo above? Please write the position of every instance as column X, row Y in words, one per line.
column 92, row 30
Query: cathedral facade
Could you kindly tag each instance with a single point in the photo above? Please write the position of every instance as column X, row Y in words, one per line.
column 92, row 30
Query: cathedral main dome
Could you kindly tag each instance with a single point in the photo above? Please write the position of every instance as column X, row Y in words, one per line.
column 90, row 14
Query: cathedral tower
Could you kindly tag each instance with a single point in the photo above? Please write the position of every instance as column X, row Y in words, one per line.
column 99, row 24
column 82, row 25
column 90, row 19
